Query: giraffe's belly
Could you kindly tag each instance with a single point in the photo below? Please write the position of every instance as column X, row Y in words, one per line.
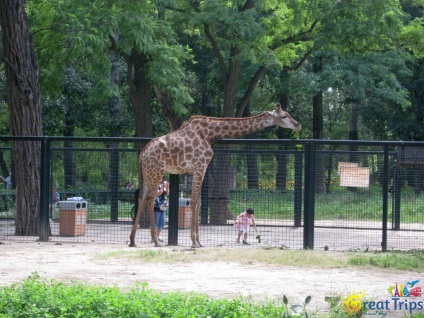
column 179, row 169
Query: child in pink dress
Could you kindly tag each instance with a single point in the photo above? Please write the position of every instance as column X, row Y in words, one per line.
column 242, row 224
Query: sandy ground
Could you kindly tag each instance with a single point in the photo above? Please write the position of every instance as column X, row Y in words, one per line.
column 83, row 261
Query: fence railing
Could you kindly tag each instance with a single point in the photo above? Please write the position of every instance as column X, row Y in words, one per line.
column 310, row 194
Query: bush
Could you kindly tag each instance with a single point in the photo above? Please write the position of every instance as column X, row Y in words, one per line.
column 36, row 298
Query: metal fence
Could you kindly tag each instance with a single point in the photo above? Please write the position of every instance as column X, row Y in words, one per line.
column 331, row 195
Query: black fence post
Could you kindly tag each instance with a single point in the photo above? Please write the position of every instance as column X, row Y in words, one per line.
column 174, row 181
column 385, row 189
column 298, row 174
column 309, row 200
column 44, row 190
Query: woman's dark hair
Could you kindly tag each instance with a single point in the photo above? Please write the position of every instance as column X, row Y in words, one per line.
column 250, row 211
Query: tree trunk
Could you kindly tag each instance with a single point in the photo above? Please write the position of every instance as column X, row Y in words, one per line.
column 220, row 176
column 353, row 132
column 140, row 90
column 281, row 176
column 114, row 106
column 353, row 135
column 220, row 184
column 231, row 83
column 25, row 113
column 206, row 104
column 69, row 164
column 140, row 94
column 252, row 159
column 166, row 104
column 318, row 132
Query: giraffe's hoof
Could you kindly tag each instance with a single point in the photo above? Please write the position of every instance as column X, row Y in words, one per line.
column 132, row 245
column 197, row 245
column 158, row 245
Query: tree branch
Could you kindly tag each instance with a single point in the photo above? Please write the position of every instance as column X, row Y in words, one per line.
column 129, row 72
column 300, row 63
column 248, row 94
column 297, row 37
column 217, row 51
column 166, row 105
column 248, row 5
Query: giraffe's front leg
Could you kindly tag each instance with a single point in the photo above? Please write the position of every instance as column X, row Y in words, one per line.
column 195, row 224
column 154, row 236
column 153, row 233
column 195, row 240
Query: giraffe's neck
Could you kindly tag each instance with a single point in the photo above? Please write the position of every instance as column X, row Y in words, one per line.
column 220, row 128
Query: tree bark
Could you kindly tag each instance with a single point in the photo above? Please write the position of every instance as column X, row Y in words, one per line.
column 318, row 131
column 281, row 176
column 140, row 90
column 25, row 113
column 69, row 164
column 140, row 94
column 114, row 106
column 166, row 104
column 220, row 181
column 353, row 131
column 252, row 158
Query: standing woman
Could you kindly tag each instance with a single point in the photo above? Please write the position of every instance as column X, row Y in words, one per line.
column 161, row 205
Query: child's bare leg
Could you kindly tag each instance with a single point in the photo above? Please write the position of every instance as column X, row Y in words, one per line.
column 238, row 237
column 245, row 239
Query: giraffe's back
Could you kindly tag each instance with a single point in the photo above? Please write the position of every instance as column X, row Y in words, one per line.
column 182, row 151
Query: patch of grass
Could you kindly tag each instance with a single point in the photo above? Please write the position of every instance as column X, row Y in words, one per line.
column 36, row 298
column 405, row 261
column 273, row 256
column 340, row 203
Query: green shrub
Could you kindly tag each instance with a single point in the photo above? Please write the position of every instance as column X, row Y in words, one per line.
column 36, row 298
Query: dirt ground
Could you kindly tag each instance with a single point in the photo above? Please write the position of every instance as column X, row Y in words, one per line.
column 84, row 262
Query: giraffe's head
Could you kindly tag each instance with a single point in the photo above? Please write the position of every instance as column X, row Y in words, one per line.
column 283, row 119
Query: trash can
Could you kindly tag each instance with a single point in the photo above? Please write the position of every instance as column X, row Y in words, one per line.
column 184, row 213
column 73, row 217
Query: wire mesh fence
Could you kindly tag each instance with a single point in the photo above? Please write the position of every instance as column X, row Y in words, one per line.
column 331, row 195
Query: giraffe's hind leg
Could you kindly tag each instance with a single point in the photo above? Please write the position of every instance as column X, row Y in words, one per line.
column 151, row 195
column 141, row 207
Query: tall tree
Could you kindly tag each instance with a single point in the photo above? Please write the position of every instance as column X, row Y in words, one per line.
column 248, row 37
column 25, row 112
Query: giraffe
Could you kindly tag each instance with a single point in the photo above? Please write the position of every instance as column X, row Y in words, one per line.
column 188, row 150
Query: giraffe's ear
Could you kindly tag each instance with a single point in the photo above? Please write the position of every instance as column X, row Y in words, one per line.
column 278, row 108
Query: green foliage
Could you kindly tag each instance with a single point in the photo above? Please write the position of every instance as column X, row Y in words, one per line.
column 4, row 119
column 360, row 43
column 73, row 35
column 7, row 204
column 404, row 261
column 339, row 204
column 36, row 298
column 413, row 37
